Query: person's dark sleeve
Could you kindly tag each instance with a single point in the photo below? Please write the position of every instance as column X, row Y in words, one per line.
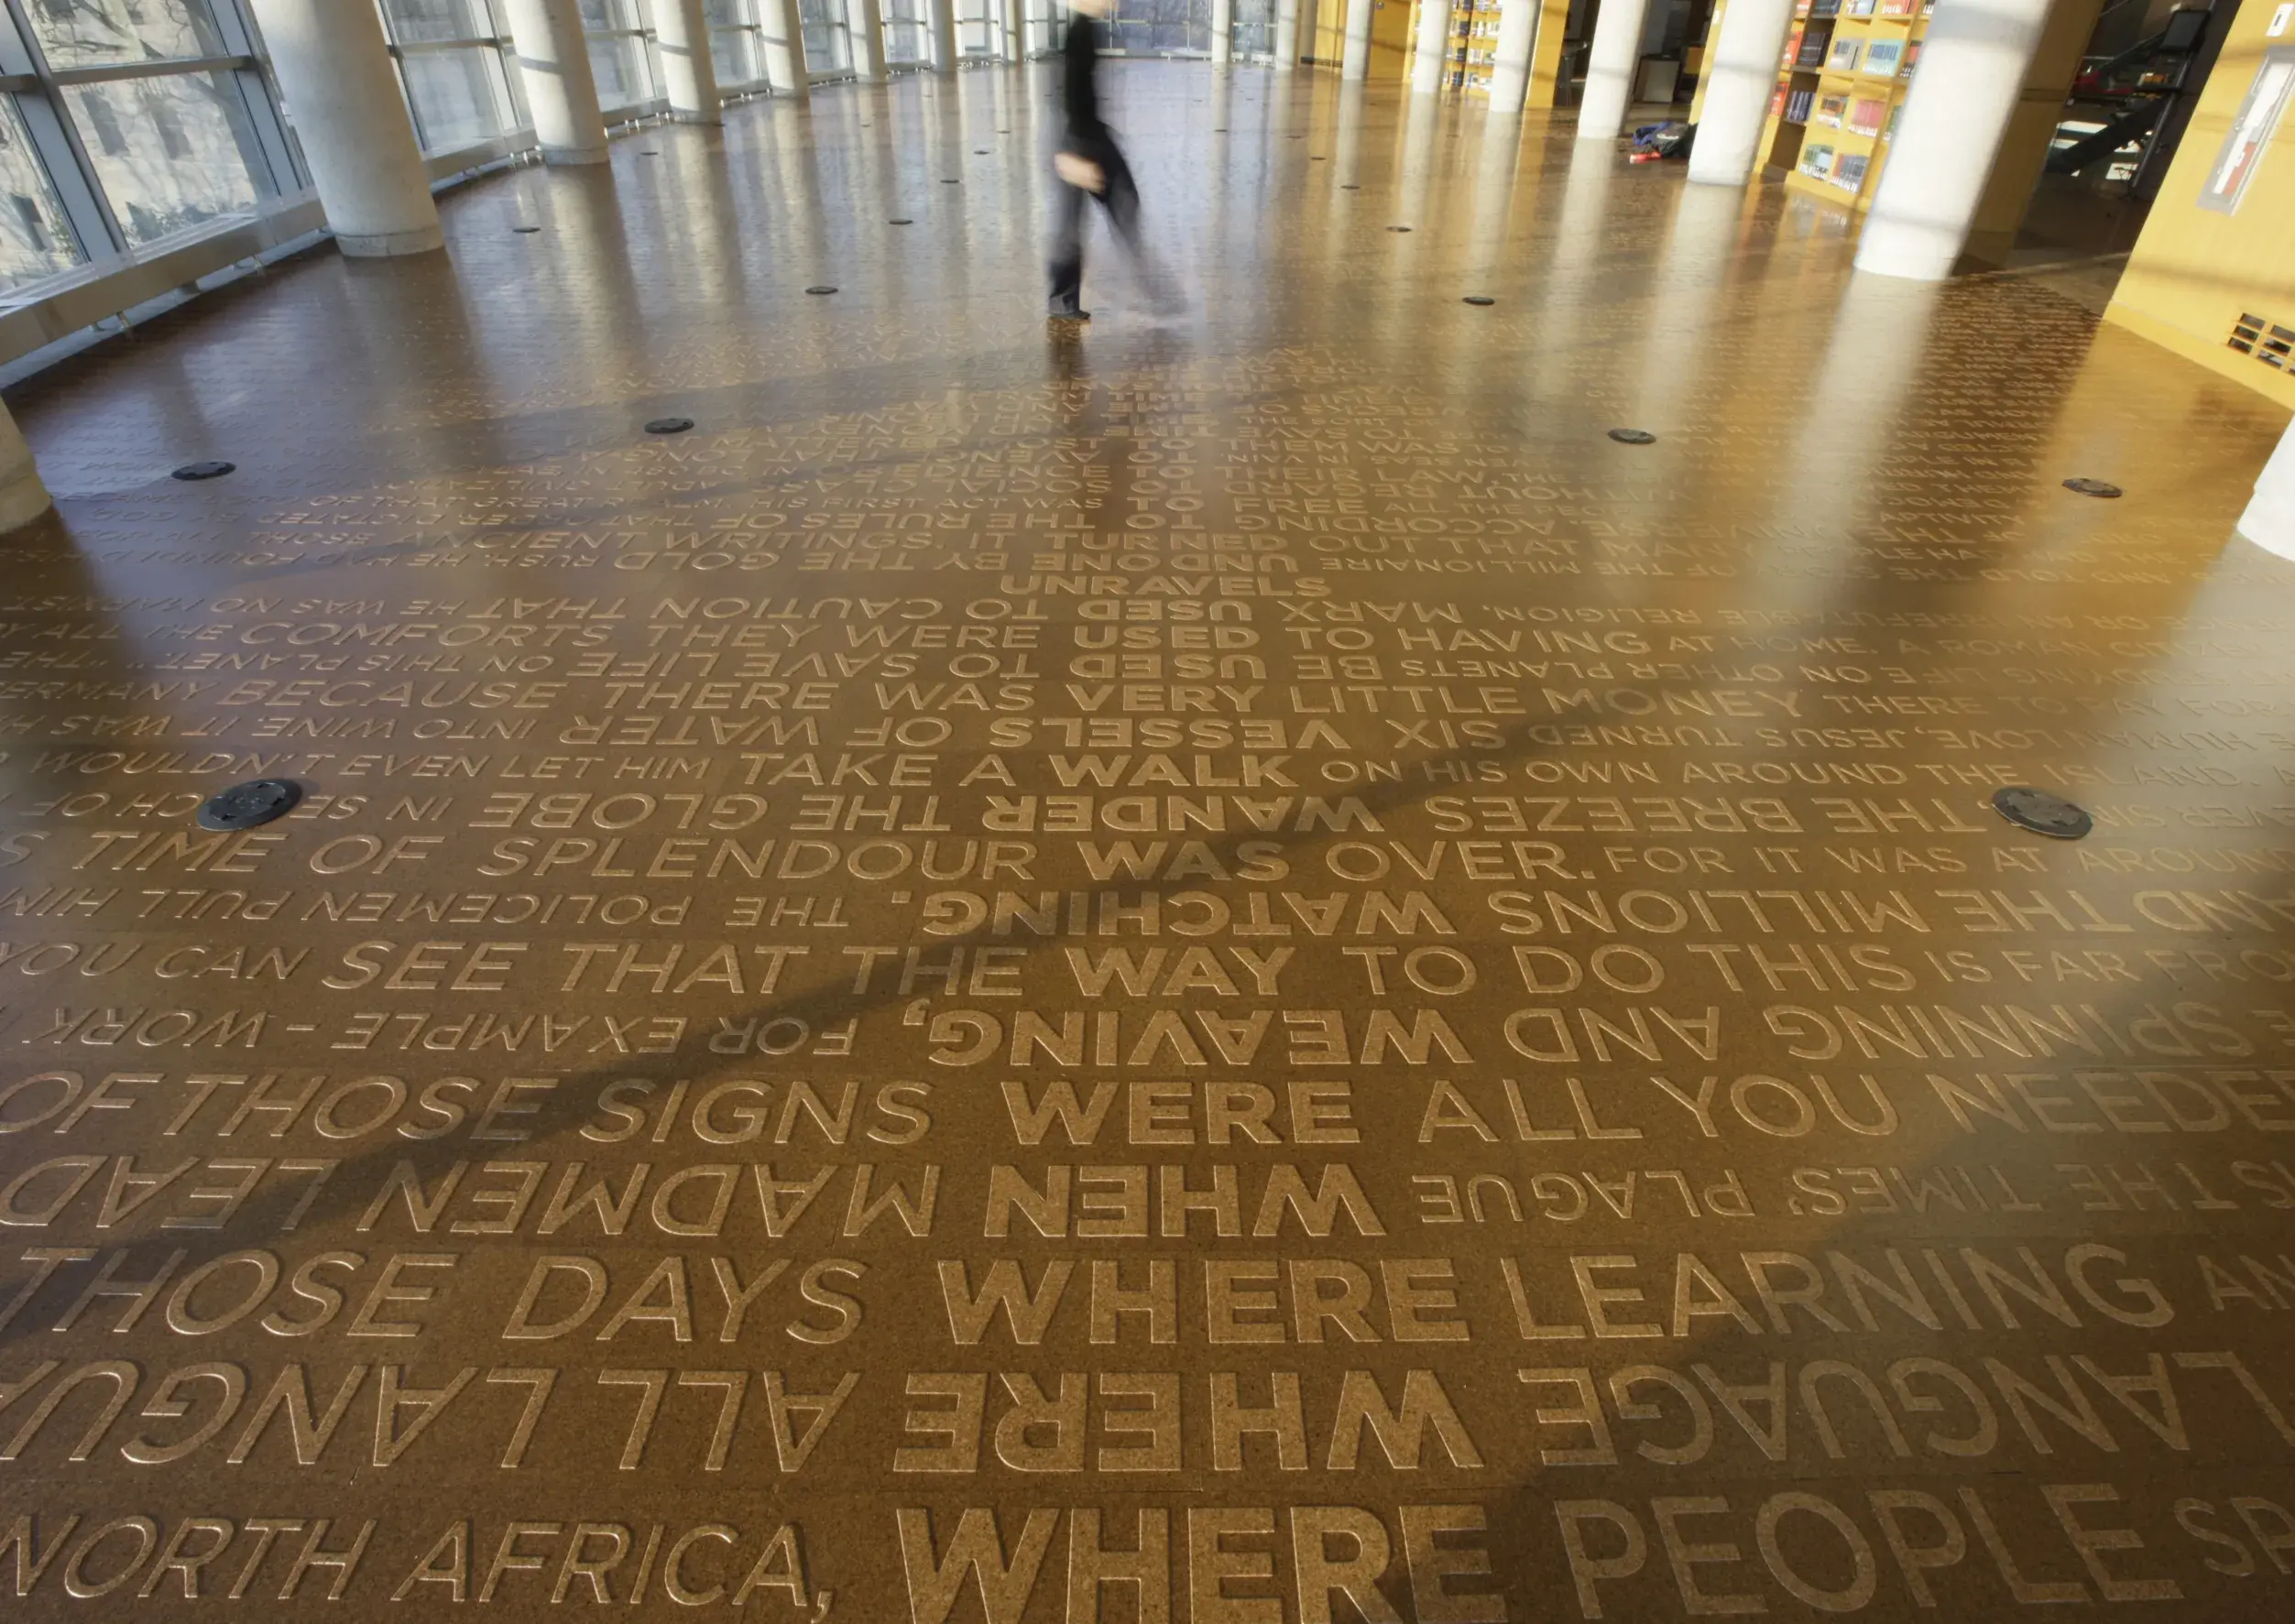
column 1081, row 79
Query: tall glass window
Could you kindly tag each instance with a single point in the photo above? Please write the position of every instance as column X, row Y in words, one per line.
column 36, row 239
column 618, row 58
column 169, row 152
column 435, row 22
column 827, row 50
column 908, row 33
column 976, row 29
column 450, row 64
column 100, row 33
column 1254, row 28
column 736, row 45
column 1151, row 28
column 128, row 122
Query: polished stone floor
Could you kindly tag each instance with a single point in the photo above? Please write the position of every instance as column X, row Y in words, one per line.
column 1222, row 968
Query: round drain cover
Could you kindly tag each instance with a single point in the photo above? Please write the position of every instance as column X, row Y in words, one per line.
column 526, row 230
column 1480, row 298
column 1398, row 228
column 1633, row 437
column 950, row 181
column 204, row 470
column 2041, row 812
column 820, row 288
column 243, row 806
column 901, row 222
column 668, row 425
column 1348, row 186
column 2091, row 488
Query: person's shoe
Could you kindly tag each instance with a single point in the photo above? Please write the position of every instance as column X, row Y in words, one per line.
column 1068, row 313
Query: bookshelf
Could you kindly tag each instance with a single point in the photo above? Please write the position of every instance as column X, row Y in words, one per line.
column 1841, row 84
column 1473, row 48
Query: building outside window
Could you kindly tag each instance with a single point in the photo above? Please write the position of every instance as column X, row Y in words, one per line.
column 35, row 240
column 1254, row 29
column 1153, row 27
column 165, row 126
column 827, row 45
column 453, row 65
column 620, row 53
column 736, row 45
column 907, row 34
column 976, row 29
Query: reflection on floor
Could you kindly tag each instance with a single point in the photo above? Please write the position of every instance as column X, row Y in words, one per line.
column 1227, row 968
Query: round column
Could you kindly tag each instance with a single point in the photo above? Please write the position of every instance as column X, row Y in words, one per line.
column 2270, row 521
column 1354, row 60
column 23, row 496
column 784, row 49
column 1434, row 37
column 1741, row 79
column 1510, row 61
column 1972, row 67
column 681, row 28
column 1286, row 36
column 1617, row 50
column 553, row 67
column 944, row 15
column 342, row 94
column 1222, row 32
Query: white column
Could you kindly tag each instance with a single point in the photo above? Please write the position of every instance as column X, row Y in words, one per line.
column 944, row 15
column 1509, row 65
column 342, row 93
column 1015, row 32
column 1222, row 32
column 1354, row 62
column 681, row 28
column 1741, row 80
column 1972, row 67
column 1609, row 66
column 784, row 49
column 1286, row 36
column 865, row 22
column 23, row 497
column 2270, row 521
column 1433, row 35
column 553, row 67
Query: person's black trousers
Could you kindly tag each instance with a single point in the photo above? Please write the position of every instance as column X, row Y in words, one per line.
column 1120, row 199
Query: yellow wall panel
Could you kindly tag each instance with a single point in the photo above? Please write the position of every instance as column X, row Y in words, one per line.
column 2196, row 271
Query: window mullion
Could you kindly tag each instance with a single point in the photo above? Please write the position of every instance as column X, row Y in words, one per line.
column 283, row 170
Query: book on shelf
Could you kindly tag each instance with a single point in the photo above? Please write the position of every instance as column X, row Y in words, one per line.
column 1817, row 161
column 1824, row 8
column 1843, row 58
column 1830, row 109
column 1858, row 8
column 1899, row 7
column 1849, row 172
column 1793, row 44
column 1912, row 54
column 1814, row 44
column 1797, row 104
column 1867, row 114
column 1776, row 102
column 1895, row 114
column 1881, row 56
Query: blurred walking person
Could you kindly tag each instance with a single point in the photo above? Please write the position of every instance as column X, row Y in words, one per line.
column 1089, row 164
